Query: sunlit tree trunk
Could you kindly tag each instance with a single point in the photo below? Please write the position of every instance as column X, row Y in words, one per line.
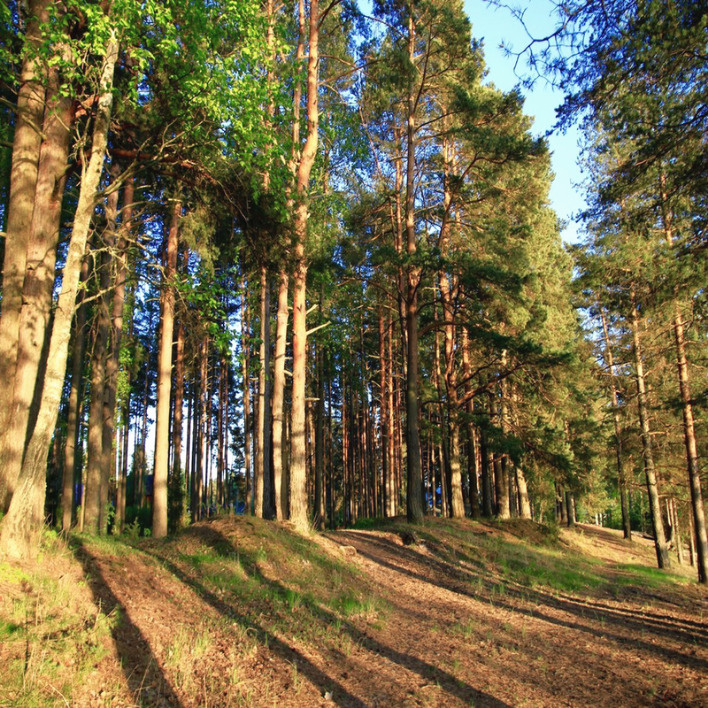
column 660, row 544
column 113, row 363
column 34, row 319
column 447, row 292
column 472, row 437
column 262, row 470
column 281, row 502
column 27, row 140
column 414, row 476
column 689, row 430
column 621, row 477
column 298, row 447
column 21, row 527
column 164, row 376
column 178, row 416
column 319, row 507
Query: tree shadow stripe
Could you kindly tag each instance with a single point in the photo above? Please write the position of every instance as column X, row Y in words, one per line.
column 140, row 666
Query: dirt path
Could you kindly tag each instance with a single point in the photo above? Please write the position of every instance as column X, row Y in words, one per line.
column 441, row 626
column 457, row 638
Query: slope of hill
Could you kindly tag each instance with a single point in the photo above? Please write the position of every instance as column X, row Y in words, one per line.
column 246, row 612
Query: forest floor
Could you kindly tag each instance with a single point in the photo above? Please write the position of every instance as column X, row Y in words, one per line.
column 245, row 612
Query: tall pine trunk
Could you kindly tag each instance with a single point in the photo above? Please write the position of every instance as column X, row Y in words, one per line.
column 621, row 477
column 164, row 376
column 298, row 444
column 21, row 527
column 660, row 544
column 281, row 501
column 23, row 182
column 75, row 394
column 38, row 284
column 262, row 483
column 245, row 334
column 689, row 436
column 92, row 495
column 414, row 471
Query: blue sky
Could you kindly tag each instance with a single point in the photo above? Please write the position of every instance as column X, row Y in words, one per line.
column 496, row 25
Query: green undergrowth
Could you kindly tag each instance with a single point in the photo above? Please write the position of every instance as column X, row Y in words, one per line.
column 502, row 555
column 272, row 578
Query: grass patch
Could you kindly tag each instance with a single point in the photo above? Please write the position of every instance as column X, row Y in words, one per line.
column 634, row 574
column 52, row 634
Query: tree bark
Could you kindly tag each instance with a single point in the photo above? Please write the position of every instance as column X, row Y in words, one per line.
column 262, row 471
column 113, row 364
column 689, row 432
column 92, row 489
column 21, row 527
column 245, row 334
column 414, row 472
column 178, row 417
column 447, row 288
column 689, row 436
column 660, row 544
column 319, row 507
column 524, row 503
column 281, row 490
column 298, row 447
column 72, row 422
column 621, row 477
column 23, row 183
column 164, row 376
column 38, row 284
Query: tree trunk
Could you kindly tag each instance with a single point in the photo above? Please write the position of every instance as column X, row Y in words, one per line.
column 447, row 288
column 114, row 296
column 23, row 182
column 164, row 376
column 689, row 432
column 414, row 472
column 245, row 335
column 21, row 527
column 569, row 509
column 72, row 422
column 524, row 503
column 487, row 475
column 662, row 549
column 262, row 471
column 113, row 363
column 298, row 448
column 621, row 477
column 34, row 321
column 281, row 491
column 689, row 436
column 319, row 509
column 178, row 419
column 92, row 503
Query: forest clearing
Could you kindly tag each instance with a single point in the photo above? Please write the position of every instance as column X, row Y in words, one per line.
column 239, row 611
